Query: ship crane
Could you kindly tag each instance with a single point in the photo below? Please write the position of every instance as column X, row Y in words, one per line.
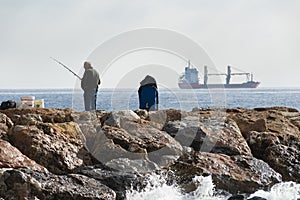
column 228, row 75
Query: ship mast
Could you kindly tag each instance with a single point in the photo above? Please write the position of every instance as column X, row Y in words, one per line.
column 228, row 75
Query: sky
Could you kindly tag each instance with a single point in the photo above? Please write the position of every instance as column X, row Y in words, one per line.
column 258, row 36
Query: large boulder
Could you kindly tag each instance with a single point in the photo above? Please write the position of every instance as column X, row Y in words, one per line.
column 235, row 174
column 58, row 146
column 282, row 158
column 11, row 157
column 160, row 118
column 217, row 135
column 279, row 120
column 273, row 136
column 161, row 148
column 28, row 184
column 117, row 118
column 119, row 181
column 125, row 135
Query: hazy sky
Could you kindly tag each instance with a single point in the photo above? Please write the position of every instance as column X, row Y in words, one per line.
column 259, row 36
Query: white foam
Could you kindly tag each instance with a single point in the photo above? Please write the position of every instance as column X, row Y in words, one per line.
column 158, row 189
column 280, row 191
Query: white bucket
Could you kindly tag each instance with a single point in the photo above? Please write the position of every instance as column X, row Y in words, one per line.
column 39, row 103
column 27, row 101
column 28, row 98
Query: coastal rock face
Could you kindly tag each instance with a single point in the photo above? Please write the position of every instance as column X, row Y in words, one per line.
column 53, row 153
column 273, row 136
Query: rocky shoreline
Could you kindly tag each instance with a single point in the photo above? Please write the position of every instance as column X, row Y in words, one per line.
column 64, row 154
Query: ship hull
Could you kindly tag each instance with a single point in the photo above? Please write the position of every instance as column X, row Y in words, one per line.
column 249, row 84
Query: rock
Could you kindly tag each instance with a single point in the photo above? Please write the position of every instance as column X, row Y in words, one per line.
column 48, row 115
column 236, row 174
column 237, row 197
column 105, row 149
column 276, row 120
column 143, row 114
column 117, row 118
column 27, row 119
column 11, row 157
column 276, row 141
column 285, row 160
column 27, row 184
column 257, row 198
column 136, row 166
column 57, row 147
column 239, row 148
column 5, row 125
column 119, row 181
column 161, row 117
column 210, row 135
column 161, row 147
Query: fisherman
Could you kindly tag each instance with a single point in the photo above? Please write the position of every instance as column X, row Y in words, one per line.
column 148, row 94
column 89, row 84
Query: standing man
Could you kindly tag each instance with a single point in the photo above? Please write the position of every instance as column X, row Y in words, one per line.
column 89, row 84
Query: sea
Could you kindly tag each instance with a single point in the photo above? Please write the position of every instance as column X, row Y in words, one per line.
column 183, row 99
column 125, row 98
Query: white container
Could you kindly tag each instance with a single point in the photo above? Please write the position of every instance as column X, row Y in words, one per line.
column 28, row 98
column 39, row 103
column 27, row 101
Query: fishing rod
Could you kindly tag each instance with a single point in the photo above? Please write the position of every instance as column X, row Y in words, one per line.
column 66, row 68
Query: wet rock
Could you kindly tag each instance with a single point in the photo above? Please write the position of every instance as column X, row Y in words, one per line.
column 285, row 160
column 119, row 181
column 58, row 147
column 257, row 198
column 236, row 174
column 11, row 157
column 5, row 125
column 27, row 184
column 237, row 197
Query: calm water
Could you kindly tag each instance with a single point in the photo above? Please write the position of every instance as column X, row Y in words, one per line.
column 120, row 99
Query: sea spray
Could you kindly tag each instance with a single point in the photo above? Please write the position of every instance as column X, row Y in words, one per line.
column 158, row 188
column 280, row 191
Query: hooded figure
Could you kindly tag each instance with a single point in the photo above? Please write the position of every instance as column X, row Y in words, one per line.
column 89, row 84
column 148, row 94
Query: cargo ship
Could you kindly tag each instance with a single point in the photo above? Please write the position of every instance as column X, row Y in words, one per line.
column 190, row 79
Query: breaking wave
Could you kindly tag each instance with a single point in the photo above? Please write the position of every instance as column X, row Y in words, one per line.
column 157, row 188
